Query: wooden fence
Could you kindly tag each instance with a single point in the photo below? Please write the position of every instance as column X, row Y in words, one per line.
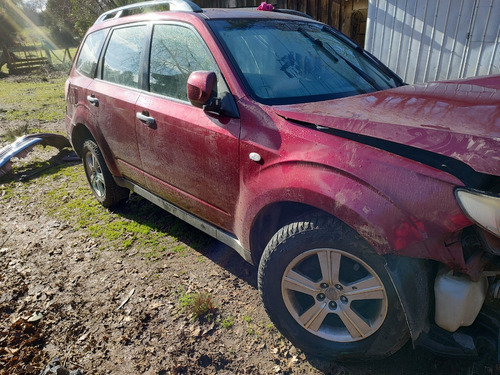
column 349, row 16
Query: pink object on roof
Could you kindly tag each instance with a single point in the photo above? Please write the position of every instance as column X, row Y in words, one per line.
column 265, row 6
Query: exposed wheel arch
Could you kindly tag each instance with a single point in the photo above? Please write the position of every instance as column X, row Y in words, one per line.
column 78, row 137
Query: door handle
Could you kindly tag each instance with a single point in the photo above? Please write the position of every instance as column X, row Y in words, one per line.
column 145, row 118
column 93, row 100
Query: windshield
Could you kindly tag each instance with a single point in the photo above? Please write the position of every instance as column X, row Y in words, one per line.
column 284, row 62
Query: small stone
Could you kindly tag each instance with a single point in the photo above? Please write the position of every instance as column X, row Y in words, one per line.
column 35, row 317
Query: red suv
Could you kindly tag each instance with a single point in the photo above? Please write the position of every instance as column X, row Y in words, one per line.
column 371, row 208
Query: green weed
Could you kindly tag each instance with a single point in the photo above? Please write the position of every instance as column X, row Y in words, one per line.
column 227, row 323
column 199, row 305
column 180, row 250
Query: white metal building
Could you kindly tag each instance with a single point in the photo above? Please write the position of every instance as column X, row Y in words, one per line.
column 428, row 40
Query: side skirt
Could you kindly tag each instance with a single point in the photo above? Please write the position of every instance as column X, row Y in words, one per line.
column 217, row 233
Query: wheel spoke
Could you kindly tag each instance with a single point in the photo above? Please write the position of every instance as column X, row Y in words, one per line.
column 99, row 178
column 96, row 185
column 100, row 185
column 95, row 163
column 354, row 323
column 365, row 289
column 313, row 318
column 90, row 164
column 297, row 282
column 329, row 262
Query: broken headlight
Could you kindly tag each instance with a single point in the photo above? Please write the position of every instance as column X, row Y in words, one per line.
column 481, row 207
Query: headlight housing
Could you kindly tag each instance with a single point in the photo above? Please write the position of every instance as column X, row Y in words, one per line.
column 481, row 207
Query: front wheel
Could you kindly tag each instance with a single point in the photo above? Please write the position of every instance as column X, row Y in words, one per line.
column 329, row 293
column 105, row 189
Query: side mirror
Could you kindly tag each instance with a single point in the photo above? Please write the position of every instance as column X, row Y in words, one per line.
column 200, row 86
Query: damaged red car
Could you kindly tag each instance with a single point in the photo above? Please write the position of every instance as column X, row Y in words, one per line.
column 371, row 207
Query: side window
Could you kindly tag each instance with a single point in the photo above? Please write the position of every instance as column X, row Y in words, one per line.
column 176, row 52
column 123, row 56
column 89, row 53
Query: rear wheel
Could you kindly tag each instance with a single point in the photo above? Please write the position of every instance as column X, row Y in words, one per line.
column 328, row 292
column 105, row 189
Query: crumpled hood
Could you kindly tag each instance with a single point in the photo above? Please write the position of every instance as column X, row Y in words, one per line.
column 459, row 119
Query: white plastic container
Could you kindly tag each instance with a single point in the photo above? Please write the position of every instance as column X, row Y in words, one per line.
column 458, row 299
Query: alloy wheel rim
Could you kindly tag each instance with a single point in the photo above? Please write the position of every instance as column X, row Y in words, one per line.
column 96, row 176
column 334, row 295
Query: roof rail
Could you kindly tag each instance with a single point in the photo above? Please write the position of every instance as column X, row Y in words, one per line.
column 182, row 5
column 292, row 12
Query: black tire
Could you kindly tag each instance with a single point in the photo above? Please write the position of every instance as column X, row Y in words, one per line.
column 101, row 182
column 329, row 293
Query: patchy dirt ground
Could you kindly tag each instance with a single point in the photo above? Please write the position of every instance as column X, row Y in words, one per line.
column 104, row 310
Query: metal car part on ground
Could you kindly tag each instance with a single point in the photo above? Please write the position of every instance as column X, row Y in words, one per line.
column 23, row 145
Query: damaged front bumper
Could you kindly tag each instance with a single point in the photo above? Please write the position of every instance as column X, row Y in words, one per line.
column 23, row 145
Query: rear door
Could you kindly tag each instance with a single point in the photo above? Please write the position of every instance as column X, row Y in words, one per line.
column 114, row 96
column 190, row 156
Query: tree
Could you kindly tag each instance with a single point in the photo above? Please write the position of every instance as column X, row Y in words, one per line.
column 11, row 22
column 59, row 18
column 89, row 11
column 74, row 17
column 33, row 9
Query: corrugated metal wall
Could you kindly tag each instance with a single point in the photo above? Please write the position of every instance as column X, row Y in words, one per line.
column 428, row 40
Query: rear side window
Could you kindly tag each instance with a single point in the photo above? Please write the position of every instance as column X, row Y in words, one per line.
column 176, row 52
column 89, row 53
column 123, row 56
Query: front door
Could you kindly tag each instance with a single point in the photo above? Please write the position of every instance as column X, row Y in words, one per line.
column 190, row 156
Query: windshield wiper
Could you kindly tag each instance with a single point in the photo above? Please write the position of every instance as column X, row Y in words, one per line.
column 362, row 73
column 331, row 52
column 319, row 43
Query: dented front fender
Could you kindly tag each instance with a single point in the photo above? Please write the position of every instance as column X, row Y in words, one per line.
column 397, row 204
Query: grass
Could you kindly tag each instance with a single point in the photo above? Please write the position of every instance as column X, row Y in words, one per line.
column 138, row 223
column 137, row 226
column 227, row 322
column 34, row 99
